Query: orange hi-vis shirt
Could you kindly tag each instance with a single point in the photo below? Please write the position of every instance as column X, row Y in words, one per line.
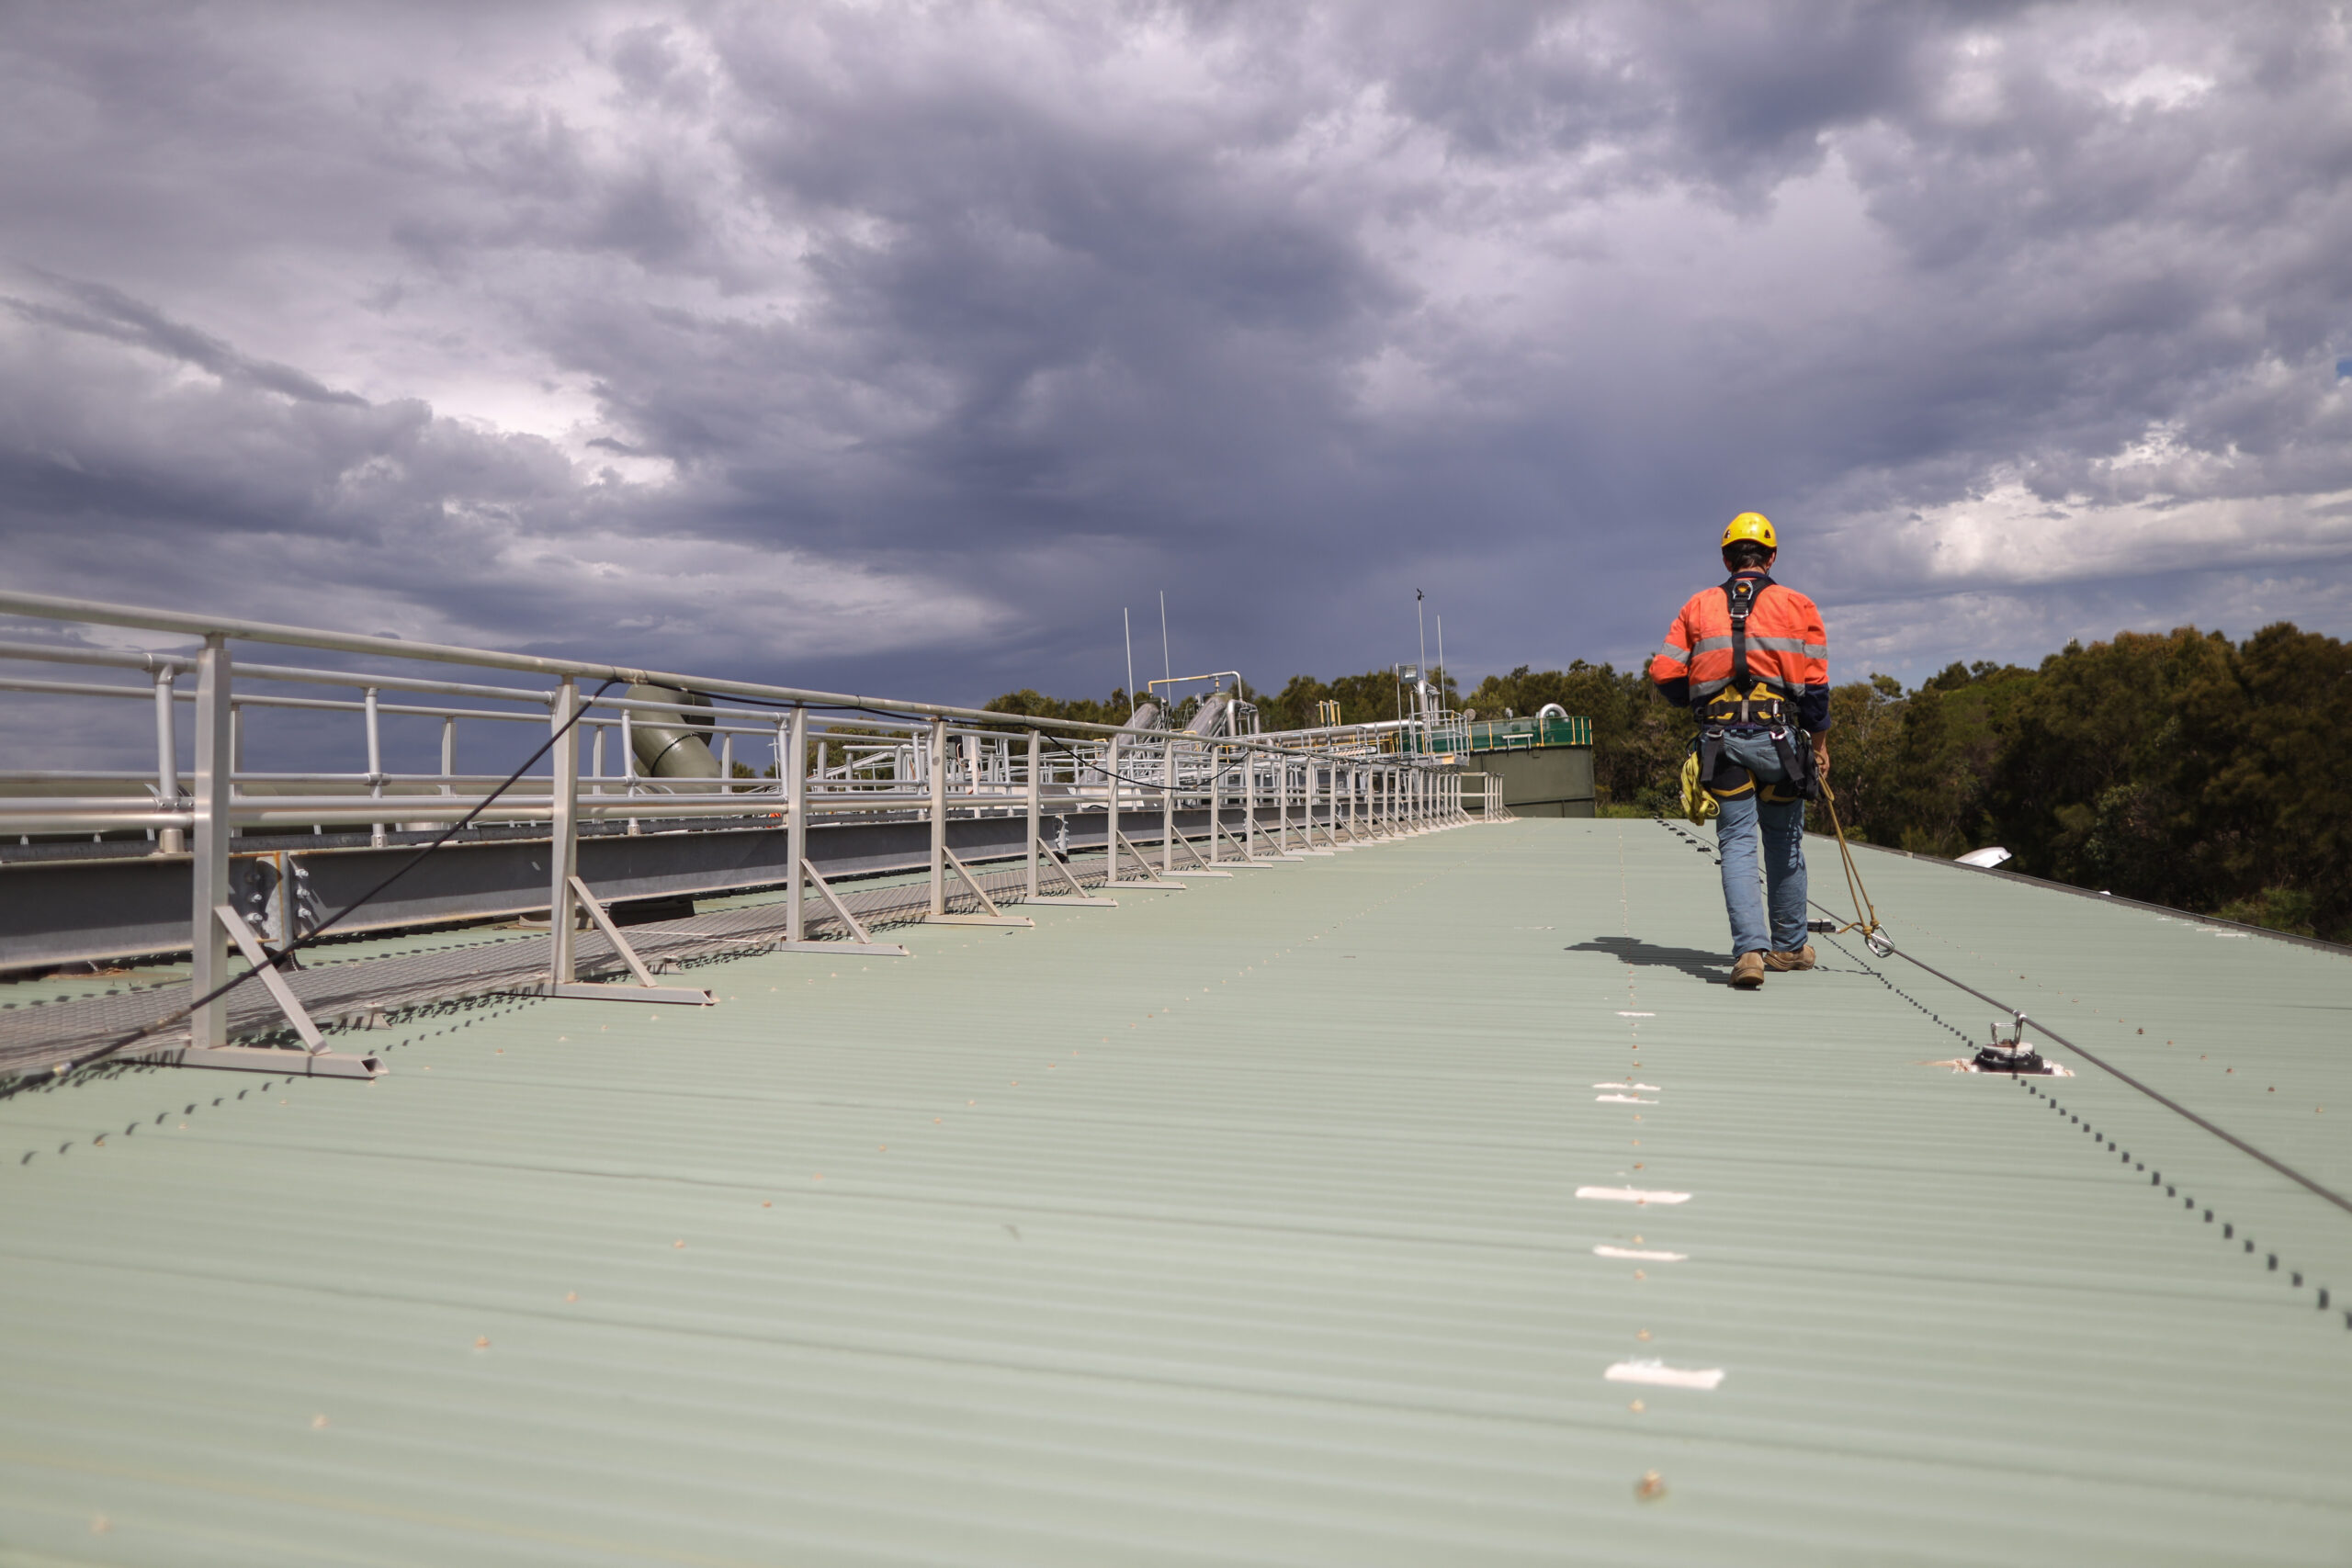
column 1786, row 646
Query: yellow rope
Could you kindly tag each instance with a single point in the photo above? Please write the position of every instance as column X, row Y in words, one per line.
column 1865, row 918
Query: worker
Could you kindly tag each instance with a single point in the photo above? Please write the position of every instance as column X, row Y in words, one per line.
column 1751, row 661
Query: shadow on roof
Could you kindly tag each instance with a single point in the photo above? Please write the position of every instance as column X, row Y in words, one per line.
column 1694, row 962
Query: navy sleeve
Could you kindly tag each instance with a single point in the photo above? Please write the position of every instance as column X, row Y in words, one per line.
column 1677, row 691
column 1813, row 710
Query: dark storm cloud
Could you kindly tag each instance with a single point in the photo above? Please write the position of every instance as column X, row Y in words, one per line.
column 899, row 346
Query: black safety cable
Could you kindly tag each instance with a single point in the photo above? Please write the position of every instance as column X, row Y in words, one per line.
column 1140, row 783
column 777, row 705
column 279, row 957
column 1055, row 741
column 1012, row 719
column 1884, row 945
column 2289, row 1172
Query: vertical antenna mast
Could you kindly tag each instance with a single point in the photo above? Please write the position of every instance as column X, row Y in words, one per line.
column 1441, row 661
column 1166, row 669
column 1127, row 630
column 1421, row 674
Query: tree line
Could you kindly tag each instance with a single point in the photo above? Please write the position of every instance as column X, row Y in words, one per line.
column 2179, row 767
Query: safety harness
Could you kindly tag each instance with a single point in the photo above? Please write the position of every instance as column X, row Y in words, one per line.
column 1750, row 703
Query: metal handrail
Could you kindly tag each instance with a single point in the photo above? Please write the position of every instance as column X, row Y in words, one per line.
column 930, row 760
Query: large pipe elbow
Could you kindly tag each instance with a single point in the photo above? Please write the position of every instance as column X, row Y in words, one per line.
column 668, row 742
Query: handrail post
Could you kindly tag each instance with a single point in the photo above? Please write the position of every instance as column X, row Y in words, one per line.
column 1250, row 803
column 374, row 766
column 1036, row 802
column 1282, row 808
column 1215, row 754
column 168, row 840
column 628, row 759
column 796, row 818
column 938, row 817
column 208, row 870
column 563, row 833
column 1111, row 799
column 1168, row 806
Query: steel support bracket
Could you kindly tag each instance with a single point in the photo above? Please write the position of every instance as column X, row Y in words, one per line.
column 263, row 1059
column 994, row 916
column 1078, row 893
column 1119, row 841
column 844, row 948
column 279, row 991
column 839, row 908
column 1200, row 866
column 583, row 991
column 1246, row 858
column 645, row 991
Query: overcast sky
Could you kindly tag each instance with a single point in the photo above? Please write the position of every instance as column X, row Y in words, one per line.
column 895, row 348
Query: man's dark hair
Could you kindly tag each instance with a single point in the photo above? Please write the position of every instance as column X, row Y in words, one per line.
column 1743, row 554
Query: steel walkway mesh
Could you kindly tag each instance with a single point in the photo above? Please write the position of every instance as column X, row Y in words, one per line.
column 345, row 996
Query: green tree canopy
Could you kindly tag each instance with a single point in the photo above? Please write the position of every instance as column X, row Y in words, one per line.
column 2178, row 768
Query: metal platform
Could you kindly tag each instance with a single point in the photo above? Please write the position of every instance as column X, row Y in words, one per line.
column 356, row 996
column 256, row 859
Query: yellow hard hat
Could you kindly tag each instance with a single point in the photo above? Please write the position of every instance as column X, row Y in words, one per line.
column 1751, row 526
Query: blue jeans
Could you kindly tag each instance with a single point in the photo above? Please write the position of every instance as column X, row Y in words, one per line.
column 1780, row 826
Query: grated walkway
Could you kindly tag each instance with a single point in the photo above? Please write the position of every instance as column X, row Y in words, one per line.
column 344, row 995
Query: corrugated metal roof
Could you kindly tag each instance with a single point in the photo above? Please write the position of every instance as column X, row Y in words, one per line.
column 1234, row 1226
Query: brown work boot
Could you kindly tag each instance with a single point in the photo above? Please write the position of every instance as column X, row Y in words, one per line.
column 1801, row 959
column 1748, row 972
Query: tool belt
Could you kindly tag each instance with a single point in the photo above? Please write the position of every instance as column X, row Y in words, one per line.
column 1728, row 780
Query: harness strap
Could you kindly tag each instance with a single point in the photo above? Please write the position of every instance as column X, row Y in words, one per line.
column 1710, row 755
column 1740, row 595
column 1755, row 706
column 1803, row 783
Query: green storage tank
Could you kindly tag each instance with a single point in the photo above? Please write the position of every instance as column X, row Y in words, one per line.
column 1545, row 763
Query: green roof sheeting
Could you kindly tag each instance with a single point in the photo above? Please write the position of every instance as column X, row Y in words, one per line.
column 1237, row 1225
